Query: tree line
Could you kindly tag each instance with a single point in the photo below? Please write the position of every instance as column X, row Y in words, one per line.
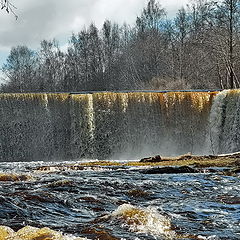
column 198, row 49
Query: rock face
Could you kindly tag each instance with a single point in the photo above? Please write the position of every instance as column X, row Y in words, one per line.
column 171, row 170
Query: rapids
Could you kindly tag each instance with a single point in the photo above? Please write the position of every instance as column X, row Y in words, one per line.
column 118, row 203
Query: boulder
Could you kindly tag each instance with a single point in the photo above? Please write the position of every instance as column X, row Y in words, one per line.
column 152, row 159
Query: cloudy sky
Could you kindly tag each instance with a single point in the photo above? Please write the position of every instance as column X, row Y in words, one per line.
column 47, row 19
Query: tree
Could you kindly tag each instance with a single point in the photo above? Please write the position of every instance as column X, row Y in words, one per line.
column 151, row 17
column 111, row 41
column 182, row 30
column 51, row 64
column 227, row 24
column 20, row 69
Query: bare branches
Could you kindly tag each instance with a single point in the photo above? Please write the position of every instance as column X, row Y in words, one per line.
column 8, row 7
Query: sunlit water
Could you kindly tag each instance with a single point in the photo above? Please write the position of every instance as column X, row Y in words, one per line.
column 122, row 203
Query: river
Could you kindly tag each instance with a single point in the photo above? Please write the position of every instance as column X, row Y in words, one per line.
column 120, row 203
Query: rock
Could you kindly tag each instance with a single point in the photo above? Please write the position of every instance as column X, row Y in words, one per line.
column 171, row 170
column 237, row 163
column 231, row 172
column 236, row 170
column 229, row 199
column 14, row 177
column 137, row 193
column 152, row 159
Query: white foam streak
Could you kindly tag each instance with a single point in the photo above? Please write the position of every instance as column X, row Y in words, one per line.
column 91, row 118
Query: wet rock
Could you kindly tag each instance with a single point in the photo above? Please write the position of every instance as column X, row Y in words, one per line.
column 237, row 163
column 138, row 193
column 231, row 172
column 60, row 183
column 120, row 202
column 90, row 199
column 171, row 170
column 152, row 159
column 229, row 199
column 41, row 197
column 236, row 170
column 14, row 177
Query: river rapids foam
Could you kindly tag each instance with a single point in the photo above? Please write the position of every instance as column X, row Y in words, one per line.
column 144, row 220
column 33, row 233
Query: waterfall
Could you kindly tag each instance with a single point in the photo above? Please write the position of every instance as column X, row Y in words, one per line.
column 216, row 120
column 115, row 125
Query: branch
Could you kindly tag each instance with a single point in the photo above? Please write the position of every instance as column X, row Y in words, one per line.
column 8, row 7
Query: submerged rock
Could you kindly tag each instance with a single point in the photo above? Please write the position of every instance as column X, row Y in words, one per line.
column 171, row 170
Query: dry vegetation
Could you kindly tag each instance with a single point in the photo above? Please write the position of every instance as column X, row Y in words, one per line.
column 184, row 160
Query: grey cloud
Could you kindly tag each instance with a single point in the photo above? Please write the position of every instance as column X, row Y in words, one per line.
column 41, row 19
column 47, row 19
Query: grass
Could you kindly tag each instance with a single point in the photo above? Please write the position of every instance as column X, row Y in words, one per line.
column 197, row 161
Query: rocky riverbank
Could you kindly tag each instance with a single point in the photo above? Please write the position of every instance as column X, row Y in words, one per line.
column 229, row 164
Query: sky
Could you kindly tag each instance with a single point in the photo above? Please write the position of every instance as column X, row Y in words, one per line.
column 48, row 19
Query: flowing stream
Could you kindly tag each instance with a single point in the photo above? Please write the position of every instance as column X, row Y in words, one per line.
column 122, row 202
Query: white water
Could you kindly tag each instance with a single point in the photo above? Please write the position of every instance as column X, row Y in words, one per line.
column 215, row 123
column 144, row 220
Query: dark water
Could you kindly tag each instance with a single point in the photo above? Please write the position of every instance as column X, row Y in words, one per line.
column 122, row 203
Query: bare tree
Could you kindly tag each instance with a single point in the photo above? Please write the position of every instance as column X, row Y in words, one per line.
column 227, row 27
column 20, row 69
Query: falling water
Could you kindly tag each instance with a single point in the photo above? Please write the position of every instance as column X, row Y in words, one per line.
column 126, row 125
